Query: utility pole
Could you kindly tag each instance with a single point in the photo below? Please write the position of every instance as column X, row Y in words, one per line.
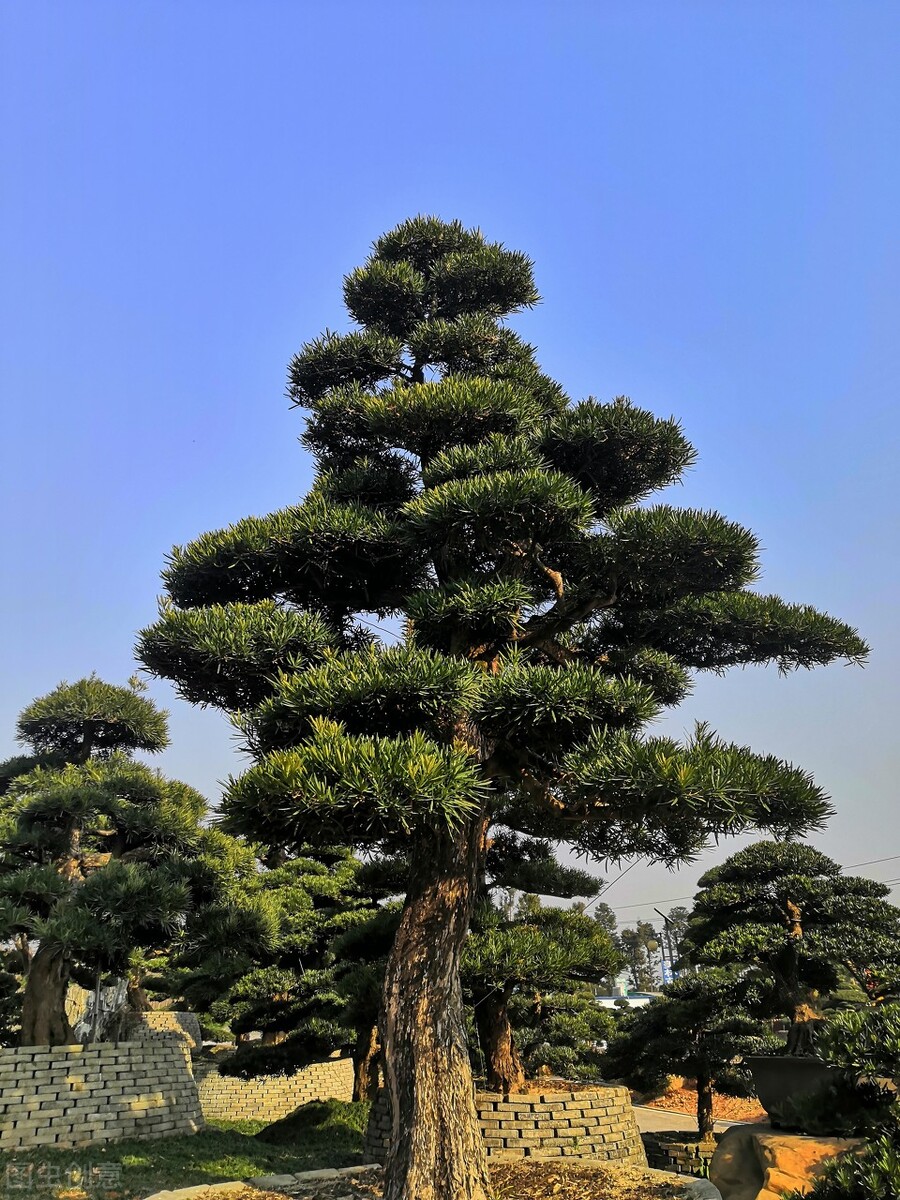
column 667, row 938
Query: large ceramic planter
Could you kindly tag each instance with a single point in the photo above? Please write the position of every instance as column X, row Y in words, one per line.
column 780, row 1078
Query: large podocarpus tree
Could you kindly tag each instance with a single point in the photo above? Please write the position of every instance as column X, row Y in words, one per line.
column 545, row 618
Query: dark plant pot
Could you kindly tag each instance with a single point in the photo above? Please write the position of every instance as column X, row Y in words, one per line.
column 779, row 1078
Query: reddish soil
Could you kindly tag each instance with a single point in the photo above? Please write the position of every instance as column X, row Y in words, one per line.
column 683, row 1099
column 534, row 1087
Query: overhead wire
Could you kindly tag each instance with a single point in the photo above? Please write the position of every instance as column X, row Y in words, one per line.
column 870, row 862
column 850, row 867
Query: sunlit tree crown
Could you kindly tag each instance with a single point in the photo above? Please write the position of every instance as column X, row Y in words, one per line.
column 544, row 610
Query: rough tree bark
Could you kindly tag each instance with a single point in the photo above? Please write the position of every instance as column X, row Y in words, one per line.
column 136, row 998
column 705, row 1121
column 805, row 1018
column 805, row 1022
column 436, row 1151
column 273, row 1037
column 504, row 1069
column 44, row 1021
column 366, row 1056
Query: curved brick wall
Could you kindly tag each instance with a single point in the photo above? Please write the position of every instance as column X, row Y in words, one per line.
column 591, row 1124
column 269, row 1098
column 68, row 1096
column 158, row 1023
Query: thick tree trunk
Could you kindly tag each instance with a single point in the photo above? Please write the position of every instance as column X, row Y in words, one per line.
column 505, row 1072
column 805, row 1022
column 366, row 1055
column 804, row 1014
column 44, row 1021
column 136, row 997
column 436, row 1151
column 705, row 1122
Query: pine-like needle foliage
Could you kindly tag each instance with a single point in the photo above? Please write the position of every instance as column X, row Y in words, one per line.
column 787, row 911
column 548, row 616
column 702, row 1028
column 278, row 950
column 462, row 497
column 95, row 849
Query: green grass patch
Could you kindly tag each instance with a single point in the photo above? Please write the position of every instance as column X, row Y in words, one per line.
column 323, row 1134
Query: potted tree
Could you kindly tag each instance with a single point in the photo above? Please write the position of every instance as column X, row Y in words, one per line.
column 865, row 1046
column 785, row 912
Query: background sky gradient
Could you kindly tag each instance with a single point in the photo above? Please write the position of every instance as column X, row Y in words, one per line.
column 711, row 195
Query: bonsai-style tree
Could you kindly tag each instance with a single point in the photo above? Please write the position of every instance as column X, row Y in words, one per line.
column 545, row 617
column 283, row 952
column 562, row 1032
column 88, row 719
column 93, row 846
column 786, row 910
column 547, row 952
column 700, row 1028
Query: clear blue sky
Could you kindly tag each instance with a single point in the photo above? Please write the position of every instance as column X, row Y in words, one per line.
column 711, row 193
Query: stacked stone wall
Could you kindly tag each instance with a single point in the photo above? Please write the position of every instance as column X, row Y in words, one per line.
column 670, row 1150
column 269, row 1098
column 159, row 1023
column 598, row 1124
column 69, row 1096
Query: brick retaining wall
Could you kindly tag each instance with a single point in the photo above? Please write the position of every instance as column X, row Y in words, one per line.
column 597, row 1124
column 671, row 1150
column 226, row 1098
column 68, row 1096
column 160, row 1023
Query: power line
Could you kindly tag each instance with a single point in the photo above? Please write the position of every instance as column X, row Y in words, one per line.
column 872, row 861
column 675, row 899
column 382, row 628
column 653, row 903
column 604, row 890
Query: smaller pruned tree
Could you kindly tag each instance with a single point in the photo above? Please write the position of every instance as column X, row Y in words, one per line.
column 865, row 1044
column 787, row 911
column 563, row 1032
column 553, row 950
column 293, row 950
column 699, row 1028
column 94, row 848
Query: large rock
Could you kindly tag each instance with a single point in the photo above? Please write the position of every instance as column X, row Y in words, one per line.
column 756, row 1162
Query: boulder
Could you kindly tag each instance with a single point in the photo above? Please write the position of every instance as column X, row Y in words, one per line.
column 756, row 1162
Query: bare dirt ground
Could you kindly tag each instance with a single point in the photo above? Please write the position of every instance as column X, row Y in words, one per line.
column 547, row 1180
column 682, row 1098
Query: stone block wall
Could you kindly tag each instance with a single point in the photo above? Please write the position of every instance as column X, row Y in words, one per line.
column 148, row 1026
column 598, row 1124
column 69, row 1096
column 672, row 1150
column 269, row 1098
